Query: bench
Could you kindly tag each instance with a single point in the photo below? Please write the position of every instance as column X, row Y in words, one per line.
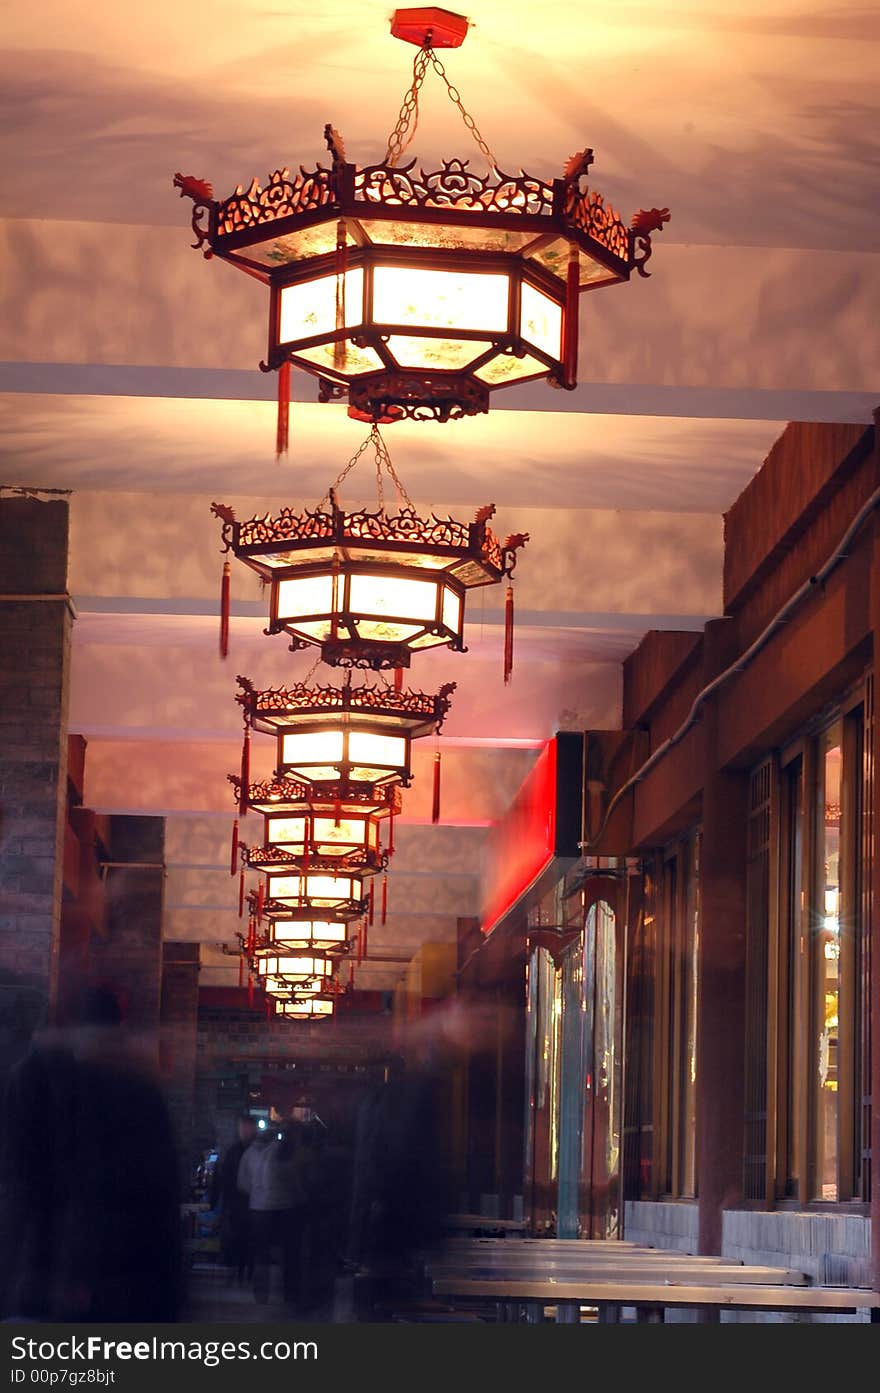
column 484, row 1223
column 527, row 1299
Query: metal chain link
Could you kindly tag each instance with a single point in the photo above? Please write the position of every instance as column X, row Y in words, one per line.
column 408, row 118
column 344, row 473
column 455, row 98
column 383, row 460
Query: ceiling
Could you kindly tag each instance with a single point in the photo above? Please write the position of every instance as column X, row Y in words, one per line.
column 128, row 365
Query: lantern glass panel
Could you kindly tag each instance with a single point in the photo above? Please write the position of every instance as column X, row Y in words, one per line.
column 309, row 308
column 540, row 320
column 342, row 356
column 415, row 600
column 451, row 609
column 284, row 830
column 349, row 832
column 440, row 299
column 506, row 367
column 452, row 354
column 293, row 968
column 409, row 234
column 314, row 747
column 290, row 935
column 304, row 1010
column 319, row 890
column 305, row 595
column 381, row 751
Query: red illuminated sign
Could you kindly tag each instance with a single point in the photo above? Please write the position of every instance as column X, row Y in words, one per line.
column 542, row 825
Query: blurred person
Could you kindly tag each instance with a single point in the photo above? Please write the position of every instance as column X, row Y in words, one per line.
column 89, row 1195
column 402, row 1188
column 273, row 1176
column 231, row 1203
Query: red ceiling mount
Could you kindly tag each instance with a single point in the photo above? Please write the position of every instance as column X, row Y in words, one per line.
column 430, row 26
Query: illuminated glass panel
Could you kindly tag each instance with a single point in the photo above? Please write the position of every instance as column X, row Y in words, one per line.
column 387, row 595
column 309, row 308
column 381, row 751
column 498, row 372
column 451, row 609
column 317, row 746
column 305, row 596
column 451, row 354
column 541, row 320
column 286, row 829
column 440, row 299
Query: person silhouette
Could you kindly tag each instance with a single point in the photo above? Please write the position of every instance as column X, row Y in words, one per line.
column 89, row 1188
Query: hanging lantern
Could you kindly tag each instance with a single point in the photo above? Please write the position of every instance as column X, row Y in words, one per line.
column 295, row 969
column 301, row 931
column 419, row 292
column 313, row 1008
column 338, row 894
column 344, row 736
column 369, row 588
column 309, row 827
column 295, row 934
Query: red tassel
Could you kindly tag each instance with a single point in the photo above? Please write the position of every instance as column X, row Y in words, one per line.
column 270, row 1008
column 261, row 901
column 384, row 898
column 372, row 903
column 282, row 433
column 252, row 934
column 241, row 971
column 364, row 939
column 391, row 832
column 224, row 610
column 572, row 298
column 351, row 973
column 244, row 784
column 508, row 635
column 398, row 679
column 250, row 990
column 233, row 859
column 435, row 802
column 241, row 893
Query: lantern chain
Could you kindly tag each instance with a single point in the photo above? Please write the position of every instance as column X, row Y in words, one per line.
column 408, row 117
column 383, row 461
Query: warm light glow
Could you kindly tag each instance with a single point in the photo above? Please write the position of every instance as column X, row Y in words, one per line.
column 317, row 889
column 451, row 609
column 302, row 1010
column 309, row 309
column 326, row 833
column 541, row 320
column 440, row 299
column 313, row 747
column 282, row 830
column 451, row 354
column 380, row 751
column 292, row 935
column 305, row 596
column 293, row 969
column 385, row 595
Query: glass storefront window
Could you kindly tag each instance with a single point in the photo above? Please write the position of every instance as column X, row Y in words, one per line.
column 825, row 952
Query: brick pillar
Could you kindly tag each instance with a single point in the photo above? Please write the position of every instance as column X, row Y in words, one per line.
column 129, row 957
column 721, row 975
column 35, row 624
column 873, row 1059
column 177, row 1054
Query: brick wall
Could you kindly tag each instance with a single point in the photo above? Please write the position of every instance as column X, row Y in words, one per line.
column 35, row 627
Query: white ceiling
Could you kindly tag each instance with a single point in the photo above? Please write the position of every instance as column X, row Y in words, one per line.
column 128, row 365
